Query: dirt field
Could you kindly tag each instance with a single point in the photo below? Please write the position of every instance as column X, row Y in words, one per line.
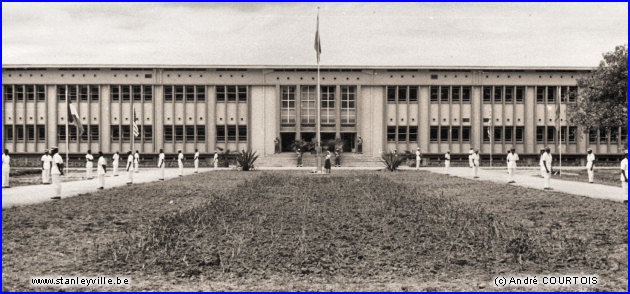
column 608, row 177
column 355, row 230
column 27, row 177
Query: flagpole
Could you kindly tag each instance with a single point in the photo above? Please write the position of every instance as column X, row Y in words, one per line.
column 133, row 136
column 318, row 106
column 67, row 129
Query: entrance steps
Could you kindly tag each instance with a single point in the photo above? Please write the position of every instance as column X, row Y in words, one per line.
column 289, row 159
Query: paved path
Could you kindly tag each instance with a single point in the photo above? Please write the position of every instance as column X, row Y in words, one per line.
column 529, row 178
column 25, row 195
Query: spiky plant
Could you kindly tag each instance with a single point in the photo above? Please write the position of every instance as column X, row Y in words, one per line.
column 246, row 159
column 392, row 161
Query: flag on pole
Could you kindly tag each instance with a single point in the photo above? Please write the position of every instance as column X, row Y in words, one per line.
column 73, row 118
column 136, row 131
column 318, row 44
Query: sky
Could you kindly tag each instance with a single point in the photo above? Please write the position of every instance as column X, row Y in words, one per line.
column 413, row 34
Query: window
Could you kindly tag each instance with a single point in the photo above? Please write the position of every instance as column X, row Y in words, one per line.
column 190, row 133
column 61, row 93
column 391, row 94
column 231, row 93
column 168, row 93
column 179, row 133
column 509, row 94
column 487, row 94
column 126, row 133
column 328, row 105
column 190, row 93
column 551, row 134
column 201, row 93
column 391, row 134
column 498, row 134
column 507, row 136
column 445, row 92
column 413, row 133
column 413, row 94
column 147, row 93
column 83, row 93
column 94, row 133
column 551, row 95
column 30, row 92
column 573, row 93
column 61, row 133
column 288, row 104
column 624, row 135
column 466, row 134
column 402, row 133
column 19, row 133
column 115, row 130
column 72, row 93
column 40, row 92
column 19, row 92
column 168, row 134
column 148, row 133
column 603, row 136
column 348, row 110
column 540, row 134
column 455, row 96
column 126, row 93
column 201, row 133
column 115, row 93
column 94, row 93
column 466, row 94
column 572, row 134
column 520, row 94
column 540, row 95
column 242, row 94
column 231, row 133
column 444, row 134
column 220, row 133
column 73, row 133
column 41, row 133
column 30, row 133
column 592, row 136
column 242, row 133
column 433, row 133
column 8, row 93
column 498, row 94
column 486, row 134
column 308, row 105
column 434, row 94
column 455, row 133
column 220, row 93
column 520, row 134
column 86, row 133
column 402, row 94
column 179, row 93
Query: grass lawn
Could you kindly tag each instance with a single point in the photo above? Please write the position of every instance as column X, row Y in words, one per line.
column 288, row 230
column 608, row 177
column 28, row 177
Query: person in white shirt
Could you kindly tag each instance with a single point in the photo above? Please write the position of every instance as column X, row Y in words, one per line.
column 542, row 166
column 56, row 172
column 89, row 165
column 590, row 164
column 470, row 157
column 624, row 171
column 196, row 161
column 115, row 163
column 180, row 162
column 6, row 168
column 447, row 161
column 161, row 164
column 101, row 170
column 546, row 160
column 129, row 168
column 476, row 160
column 418, row 158
column 215, row 161
column 512, row 158
column 136, row 162
column 46, row 165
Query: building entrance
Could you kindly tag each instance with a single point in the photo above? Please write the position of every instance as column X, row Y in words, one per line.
column 286, row 142
column 348, row 141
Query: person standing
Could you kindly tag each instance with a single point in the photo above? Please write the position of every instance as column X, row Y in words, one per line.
column 418, row 158
column 512, row 159
column 6, row 168
column 215, row 161
column 327, row 162
column 337, row 158
column 447, row 161
column 590, row 163
column 115, row 163
column 162, row 164
column 624, row 171
column 542, row 166
column 196, row 161
column 475, row 160
column 180, row 162
column 276, row 144
column 360, row 145
column 136, row 162
column 89, row 165
column 547, row 159
column 299, row 158
column 129, row 168
column 56, row 172
column 471, row 153
column 46, row 165
column 101, row 170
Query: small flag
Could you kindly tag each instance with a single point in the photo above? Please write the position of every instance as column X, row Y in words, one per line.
column 136, row 131
column 318, row 44
column 73, row 118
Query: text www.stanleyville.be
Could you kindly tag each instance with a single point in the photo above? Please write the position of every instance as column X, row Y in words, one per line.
column 74, row 281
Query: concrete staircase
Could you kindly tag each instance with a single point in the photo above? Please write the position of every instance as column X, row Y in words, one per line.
column 289, row 159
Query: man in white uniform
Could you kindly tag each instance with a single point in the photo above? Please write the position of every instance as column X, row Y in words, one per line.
column 542, row 166
column 56, row 172
column 161, row 164
column 136, row 162
column 590, row 164
column 216, row 160
column 6, row 168
column 101, row 170
column 115, row 163
column 180, row 162
column 624, row 171
column 89, row 165
column 129, row 168
column 512, row 159
column 46, row 162
column 447, row 161
column 196, row 161
column 418, row 158
column 476, row 160
column 470, row 157
column 546, row 160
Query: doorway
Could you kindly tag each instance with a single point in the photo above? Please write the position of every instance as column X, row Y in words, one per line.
column 348, row 141
column 328, row 141
column 286, row 142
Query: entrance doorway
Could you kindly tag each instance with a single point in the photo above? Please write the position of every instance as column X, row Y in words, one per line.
column 328, row 141
column 286, row 142
column 348, row 141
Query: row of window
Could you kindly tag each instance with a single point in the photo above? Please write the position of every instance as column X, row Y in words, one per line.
column 230, row 133
column 402, row 94
column 128, row 92
column 231, row 93
column 605, row 134
column 447, row 134
column 450, row 94
column 190, row 133
column 22, row 92
column 550, row 94
column 402, row 134
column 307, row 107
column 78, row 92
column 28, row 132
column 500, row 94
column 124, row 133
column 501, row 134
column 191, row 93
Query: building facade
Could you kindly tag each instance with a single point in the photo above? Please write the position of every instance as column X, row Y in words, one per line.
column 246, row 107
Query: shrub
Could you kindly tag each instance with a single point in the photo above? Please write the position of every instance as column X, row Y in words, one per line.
column 392, row 161
column 246, row 159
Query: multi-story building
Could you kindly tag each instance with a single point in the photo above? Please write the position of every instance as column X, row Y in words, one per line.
column 247, row 107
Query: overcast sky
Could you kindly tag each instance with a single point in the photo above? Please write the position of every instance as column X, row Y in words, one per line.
column 449, row 34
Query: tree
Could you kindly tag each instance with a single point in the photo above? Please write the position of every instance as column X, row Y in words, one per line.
column 602, row 102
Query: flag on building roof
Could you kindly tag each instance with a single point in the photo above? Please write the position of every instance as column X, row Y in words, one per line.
column 73, row 118
column 318, row 44
column 136, row 131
